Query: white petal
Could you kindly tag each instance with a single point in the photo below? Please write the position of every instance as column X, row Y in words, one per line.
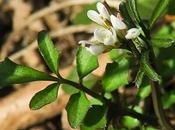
column 117, row 23
column 105, row 36
column 103, row 11
column 94, row 16
column 133, row 33
column 96, row 49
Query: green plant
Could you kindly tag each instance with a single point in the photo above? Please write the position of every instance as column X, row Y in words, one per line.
column 128, row 42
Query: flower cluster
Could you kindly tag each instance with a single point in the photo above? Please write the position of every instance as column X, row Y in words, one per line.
column 112, row 30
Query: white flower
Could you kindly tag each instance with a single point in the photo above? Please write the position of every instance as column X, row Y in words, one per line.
column 106, row 36
column 117, row 23
column 133, row 33
column 103, row 11
column 94, row 16
column 96, row 49
column 101, row 16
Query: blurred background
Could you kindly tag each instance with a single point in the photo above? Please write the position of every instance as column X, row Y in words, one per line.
column 67, row 23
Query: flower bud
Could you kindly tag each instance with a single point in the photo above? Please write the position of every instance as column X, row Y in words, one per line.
column 133, row 33
column 105, row 36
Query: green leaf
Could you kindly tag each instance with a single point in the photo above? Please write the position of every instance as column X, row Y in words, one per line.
column 168, row 32
column 77, row 108
column 162, row 43
column 89, row 81
column 44, row 97
column 147, row 68
column 144, row 8
column 171, row 10
column 144, row 89
column 133, row 11
column 116, row 75
column 150, row 128
column 160, row 8
column 139, row 78
column 95, row 118
column 123, row 7
column 12, row 73
column 118, row 54
column 95, row 101
column 130, row 122
column 48, row 51
column 168, row 99
column 73, row 76
column 86, row 62
column 81, row 18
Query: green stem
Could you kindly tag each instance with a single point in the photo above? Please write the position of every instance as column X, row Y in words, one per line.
column 156, row 97
column 84, row 89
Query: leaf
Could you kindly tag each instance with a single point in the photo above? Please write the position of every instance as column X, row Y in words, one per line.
column 144, row 89
column 73, row 76
column 130, row 122
column 123, row 7
column 95, row 118
column 116, row 75
column 168, row 99
column 48, row 51
column 77, row 108
column 89, row 82
column 147, row 68
column 95, row 101
column 86, row 62
column 81, row 18
column 12, row 73
column 118, row 54
column 44, row 97
column 162, row 43
column 160, row 8
column 166, row 31
column 139, row 78
column 134, row 11
column 144, row 8
column 171, row 10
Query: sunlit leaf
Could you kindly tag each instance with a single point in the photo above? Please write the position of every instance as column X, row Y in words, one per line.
column 139, row 78
column 48, row 51
column 168, row 99
column 44, row 97
column 89, row 82
column 116, row 75
column 145, row 89
column 86, row 62
column 130, row 122
column 81, row 18
column 95, row 118
column 162, row 42
column 77, row 108
column 147, row 68
column 12, row 73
